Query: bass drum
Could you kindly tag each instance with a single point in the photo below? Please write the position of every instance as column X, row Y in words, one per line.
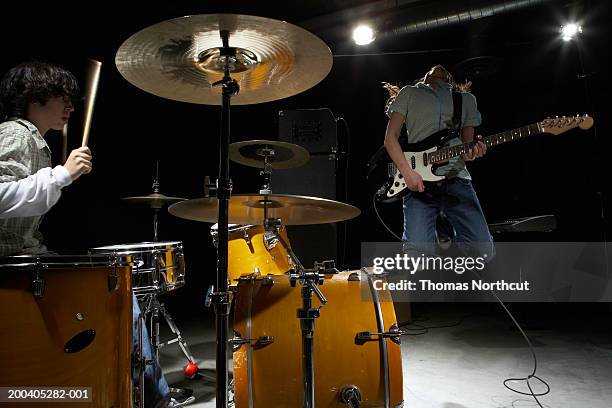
column 67, row 322
column 268, row 368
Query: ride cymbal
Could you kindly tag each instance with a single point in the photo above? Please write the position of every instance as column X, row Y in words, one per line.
column 249, row 209
column 154, row 200
column 181, row 59
column 281, row 155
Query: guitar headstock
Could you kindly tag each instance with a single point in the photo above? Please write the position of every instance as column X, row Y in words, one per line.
column 562, row 124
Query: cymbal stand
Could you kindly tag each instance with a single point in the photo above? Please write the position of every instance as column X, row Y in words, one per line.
column 220, row 299
column 309, row 279
column 267, row 153
column 156, row 208
column 151, row 313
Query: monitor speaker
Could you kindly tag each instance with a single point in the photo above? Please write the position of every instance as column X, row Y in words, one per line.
column 316, row 131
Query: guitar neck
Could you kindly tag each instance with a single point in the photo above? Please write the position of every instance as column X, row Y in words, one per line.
column 449, row 152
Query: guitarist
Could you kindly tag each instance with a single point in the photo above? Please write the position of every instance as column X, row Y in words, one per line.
column 426, row 108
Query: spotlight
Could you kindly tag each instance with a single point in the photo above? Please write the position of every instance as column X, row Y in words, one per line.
column 569, row 31
column 363, row 35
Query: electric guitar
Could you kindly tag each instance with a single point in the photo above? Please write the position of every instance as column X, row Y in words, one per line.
column 425, row 156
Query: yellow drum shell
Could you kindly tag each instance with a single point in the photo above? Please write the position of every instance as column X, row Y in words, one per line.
column 35, row 331
column 276, row 368
column 249, row 254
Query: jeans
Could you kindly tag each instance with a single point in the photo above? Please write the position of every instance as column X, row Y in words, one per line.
column 156, row 387
column 456, row 199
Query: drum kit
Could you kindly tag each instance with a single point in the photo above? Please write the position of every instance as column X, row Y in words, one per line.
column 279, row 359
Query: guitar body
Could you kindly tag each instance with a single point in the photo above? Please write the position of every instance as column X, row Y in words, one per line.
column 425, row 156
column 416, row 153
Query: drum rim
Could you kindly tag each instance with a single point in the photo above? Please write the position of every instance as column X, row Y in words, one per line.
column 214, row 229
column 122, row 249
column 60, row 261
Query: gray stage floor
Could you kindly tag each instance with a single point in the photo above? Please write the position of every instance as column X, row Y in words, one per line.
column 458, row 367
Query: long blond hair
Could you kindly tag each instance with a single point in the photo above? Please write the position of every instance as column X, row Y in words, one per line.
column 393, row 89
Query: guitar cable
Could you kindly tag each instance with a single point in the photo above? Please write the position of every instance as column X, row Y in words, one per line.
column 381, row 220
column 506, row 381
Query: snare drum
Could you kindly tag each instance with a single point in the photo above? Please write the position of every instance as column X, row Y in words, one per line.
column 268, row 373
column 67, row 322
column 253, row 250
column 157, row 267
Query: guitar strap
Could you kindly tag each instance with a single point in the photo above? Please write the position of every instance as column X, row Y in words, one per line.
column 457, row 110
column 433, row 192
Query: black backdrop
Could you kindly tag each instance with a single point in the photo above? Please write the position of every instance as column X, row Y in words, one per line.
column 535, row 76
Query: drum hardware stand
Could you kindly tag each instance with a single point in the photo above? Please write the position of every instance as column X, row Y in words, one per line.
column 220, row 299
column 156, row 208
column 151, row 311
column 140, row 365
column 309, row 279
column 153, row 308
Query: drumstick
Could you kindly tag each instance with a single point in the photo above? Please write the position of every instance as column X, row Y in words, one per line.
column 93, row 76
column 64, row 142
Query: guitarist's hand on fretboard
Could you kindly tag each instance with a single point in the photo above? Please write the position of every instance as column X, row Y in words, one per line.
column 479, row 150
column 414, row 181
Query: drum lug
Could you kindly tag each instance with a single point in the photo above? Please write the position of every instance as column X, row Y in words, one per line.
column 351, row 396
column 354, row 277
column 267, row 281
column 246, row 237
column 180, row 260
column 237, row 341
column 113, row 280
column 393, row 334
column 38, row 284
column 270, row 240
column 327, row 266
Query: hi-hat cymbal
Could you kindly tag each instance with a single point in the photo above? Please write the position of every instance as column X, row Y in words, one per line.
column 281, row 155
column 155, row 200
column 180, row 59
column 249, row 209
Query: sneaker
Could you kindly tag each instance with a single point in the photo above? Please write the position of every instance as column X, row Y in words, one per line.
column 175, row 403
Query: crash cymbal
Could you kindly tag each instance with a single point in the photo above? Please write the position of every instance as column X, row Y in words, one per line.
column 281, row 155
column 180, row 59
column 155, row 200
column 249, row 209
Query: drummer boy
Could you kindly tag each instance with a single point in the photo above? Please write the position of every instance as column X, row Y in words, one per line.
column 35, row 97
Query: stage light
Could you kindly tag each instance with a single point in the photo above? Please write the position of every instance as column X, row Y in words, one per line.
column 363, row 35
column 569, row 31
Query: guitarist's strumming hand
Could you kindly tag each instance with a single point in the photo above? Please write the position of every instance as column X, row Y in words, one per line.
column 414, row 181
column 479, row 150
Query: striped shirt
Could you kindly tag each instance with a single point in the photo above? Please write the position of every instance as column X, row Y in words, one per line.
column 429, row 109
column 23, row 152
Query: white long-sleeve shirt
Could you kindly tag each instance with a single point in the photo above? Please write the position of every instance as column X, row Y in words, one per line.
column 33, row 195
